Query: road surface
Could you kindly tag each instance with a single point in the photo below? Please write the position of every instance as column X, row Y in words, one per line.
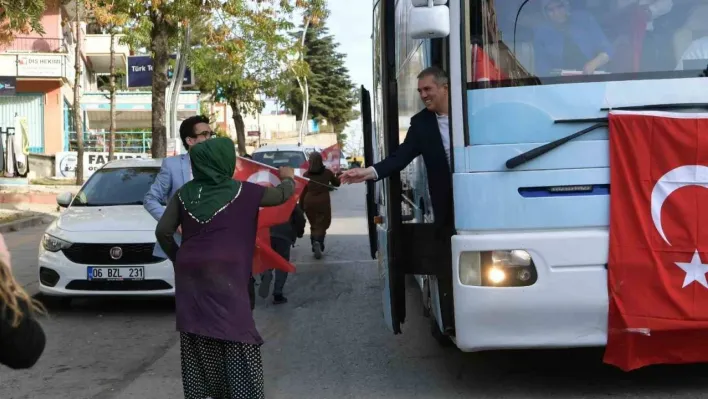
column 329, row 341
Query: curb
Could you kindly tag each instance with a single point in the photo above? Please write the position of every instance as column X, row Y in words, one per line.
column 25, row 223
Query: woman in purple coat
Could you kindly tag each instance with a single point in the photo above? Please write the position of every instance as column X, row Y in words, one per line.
column 219, row 342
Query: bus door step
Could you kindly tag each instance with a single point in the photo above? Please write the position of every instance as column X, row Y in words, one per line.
column 423, row 251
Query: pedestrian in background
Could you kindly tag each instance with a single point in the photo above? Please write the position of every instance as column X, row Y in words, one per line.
column 22, row 338
column 282, row 238
column 219, row 342
column 316, row 202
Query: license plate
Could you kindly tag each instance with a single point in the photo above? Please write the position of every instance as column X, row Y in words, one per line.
column 116, row 273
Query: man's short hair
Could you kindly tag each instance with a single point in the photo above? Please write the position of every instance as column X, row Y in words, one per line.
column 438, row 74
column 186, row 129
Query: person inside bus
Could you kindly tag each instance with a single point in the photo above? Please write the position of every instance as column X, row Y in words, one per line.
column 429, row 136
column 632, row 24
column 570, row 41
column 696, row 55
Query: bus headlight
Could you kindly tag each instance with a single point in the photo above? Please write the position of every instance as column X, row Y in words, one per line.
column 508, row 268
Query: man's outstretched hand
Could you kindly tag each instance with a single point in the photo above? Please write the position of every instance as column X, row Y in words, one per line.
column 357, row 175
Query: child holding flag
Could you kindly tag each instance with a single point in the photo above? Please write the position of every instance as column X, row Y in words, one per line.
column 282, row 237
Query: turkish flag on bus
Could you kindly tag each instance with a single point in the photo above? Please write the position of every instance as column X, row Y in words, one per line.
column 265, row 257
column 658, row 294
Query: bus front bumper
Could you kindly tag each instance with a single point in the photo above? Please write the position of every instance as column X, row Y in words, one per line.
column 566, row 307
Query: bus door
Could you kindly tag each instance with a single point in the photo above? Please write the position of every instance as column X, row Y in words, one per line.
column 399, row 247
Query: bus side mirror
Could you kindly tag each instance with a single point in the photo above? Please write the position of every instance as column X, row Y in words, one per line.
column 429, row 19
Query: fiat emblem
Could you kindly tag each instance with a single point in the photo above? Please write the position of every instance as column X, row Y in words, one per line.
column 116, row 253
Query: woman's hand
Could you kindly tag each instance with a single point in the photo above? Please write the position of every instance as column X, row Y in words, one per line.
column 286, row 172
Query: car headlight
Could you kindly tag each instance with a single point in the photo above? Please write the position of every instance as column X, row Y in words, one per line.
column 53, row 244
column 509, row 268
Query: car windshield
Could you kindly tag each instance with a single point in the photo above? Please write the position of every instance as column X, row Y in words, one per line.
column 116, row 186
column 518, row 42
column 294, row 159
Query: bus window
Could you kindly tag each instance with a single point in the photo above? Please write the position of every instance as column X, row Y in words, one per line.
column 517, row 42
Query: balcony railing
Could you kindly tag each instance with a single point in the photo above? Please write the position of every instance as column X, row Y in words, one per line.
column 128, row 142
column 36, row 45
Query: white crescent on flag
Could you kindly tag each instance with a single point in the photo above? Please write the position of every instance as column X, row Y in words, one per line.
column 683, row 176
column 264, row 178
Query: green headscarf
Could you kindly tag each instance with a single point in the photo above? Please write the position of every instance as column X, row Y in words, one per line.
column 213, row 186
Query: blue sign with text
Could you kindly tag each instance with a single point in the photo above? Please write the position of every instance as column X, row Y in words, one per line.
column 140, row 71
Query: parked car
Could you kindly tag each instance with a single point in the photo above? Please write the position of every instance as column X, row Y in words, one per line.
column 102, row 242
column 291, row 155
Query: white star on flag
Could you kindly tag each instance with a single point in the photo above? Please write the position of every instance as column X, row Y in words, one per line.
column 695, row 271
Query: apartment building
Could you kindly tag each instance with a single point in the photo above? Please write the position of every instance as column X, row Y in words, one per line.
column 39, row 71
column 42, row 70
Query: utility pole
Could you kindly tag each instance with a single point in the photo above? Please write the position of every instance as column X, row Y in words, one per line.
column 78, row 125
column 173, row 91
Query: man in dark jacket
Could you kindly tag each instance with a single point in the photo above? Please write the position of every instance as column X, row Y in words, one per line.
column 282, row 238
column 429, row 136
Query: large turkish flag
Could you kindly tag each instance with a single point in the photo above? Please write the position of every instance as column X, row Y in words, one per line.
column 265, row 257
column 658, row 309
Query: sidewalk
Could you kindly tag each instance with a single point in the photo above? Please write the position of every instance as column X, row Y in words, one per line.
column 23, row 206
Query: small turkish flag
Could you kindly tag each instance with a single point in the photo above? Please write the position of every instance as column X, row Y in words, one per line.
column 658, row 310
column 265, row 257
column 331, row 157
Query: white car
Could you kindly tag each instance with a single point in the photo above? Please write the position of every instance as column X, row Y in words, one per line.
column 291, row 155
column 102, row 243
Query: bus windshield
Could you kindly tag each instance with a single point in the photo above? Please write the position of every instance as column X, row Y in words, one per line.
column 539, row 42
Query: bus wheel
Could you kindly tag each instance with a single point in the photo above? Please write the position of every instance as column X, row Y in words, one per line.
column 442, row 339
column 427, row 301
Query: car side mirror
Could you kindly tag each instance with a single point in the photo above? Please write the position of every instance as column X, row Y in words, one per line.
column 64, row 199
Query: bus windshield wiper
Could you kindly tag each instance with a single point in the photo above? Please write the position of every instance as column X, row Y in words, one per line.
column 538, row 151
column 598, row 123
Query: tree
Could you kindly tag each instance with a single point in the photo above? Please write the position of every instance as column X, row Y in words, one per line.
column 332, row 95
column 157, row 26
column 241, row 58
column 315, row 12
column 21, row 16
column 112, row 15
column 80, row 7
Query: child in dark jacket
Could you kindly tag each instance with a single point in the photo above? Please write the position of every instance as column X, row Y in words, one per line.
column 282, row 238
